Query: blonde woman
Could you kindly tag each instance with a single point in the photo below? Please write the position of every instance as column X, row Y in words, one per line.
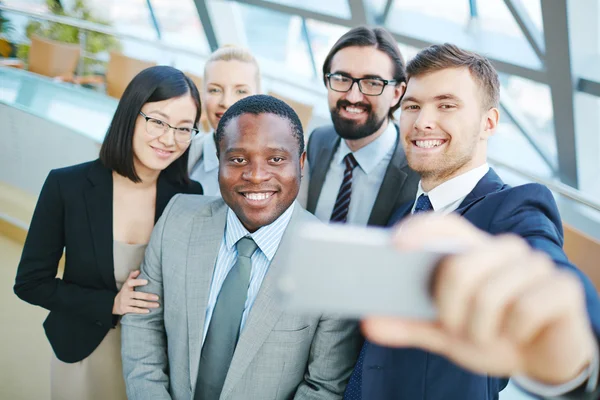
column 230, row 74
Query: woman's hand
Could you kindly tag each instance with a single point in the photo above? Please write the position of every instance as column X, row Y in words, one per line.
column 129, row 301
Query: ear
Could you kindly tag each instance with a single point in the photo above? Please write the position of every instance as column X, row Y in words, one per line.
column 398, row 93
column 302, row 159
column 491, row 119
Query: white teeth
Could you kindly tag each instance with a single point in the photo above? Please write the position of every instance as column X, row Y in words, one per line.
column 258, row 196
column 428, row 144
column 354, row 110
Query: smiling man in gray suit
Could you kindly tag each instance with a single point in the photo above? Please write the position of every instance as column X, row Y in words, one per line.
column 219, row 332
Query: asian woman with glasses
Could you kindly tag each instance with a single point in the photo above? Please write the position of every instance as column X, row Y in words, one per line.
column 101, row 214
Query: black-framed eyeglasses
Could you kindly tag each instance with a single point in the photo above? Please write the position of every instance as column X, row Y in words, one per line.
column 367, row 86
column 156, row 127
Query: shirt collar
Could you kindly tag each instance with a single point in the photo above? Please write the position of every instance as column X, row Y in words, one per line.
column 454, row 189
column 267, row 238
column 209, row 153
column 369, row 156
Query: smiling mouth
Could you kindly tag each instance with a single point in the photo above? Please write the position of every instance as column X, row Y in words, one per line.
column 162, row 152
column 428, row 144
column 219, row 115
column 257, row 196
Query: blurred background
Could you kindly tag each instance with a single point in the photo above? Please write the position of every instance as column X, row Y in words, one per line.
column 65, row 63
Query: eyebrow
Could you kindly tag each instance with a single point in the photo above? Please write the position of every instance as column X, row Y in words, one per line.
column 271, row 149
column 235, row 84
column 440, row 97
column 162, row 114
column 367, row 76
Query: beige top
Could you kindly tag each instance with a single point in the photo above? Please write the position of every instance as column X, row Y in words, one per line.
column 100, row 375
column 127, row 257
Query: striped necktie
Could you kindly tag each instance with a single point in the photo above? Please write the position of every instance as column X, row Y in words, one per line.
column 342, row 202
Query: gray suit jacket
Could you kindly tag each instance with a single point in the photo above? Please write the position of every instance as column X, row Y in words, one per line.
column 279, row 355
column 196, row 149
column 399, row 184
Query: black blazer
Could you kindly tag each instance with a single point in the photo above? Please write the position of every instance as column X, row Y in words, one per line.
column 75, row 212
column 399, row 184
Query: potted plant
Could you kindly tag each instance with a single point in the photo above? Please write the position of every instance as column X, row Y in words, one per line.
column 95, row 43
column 7, row 49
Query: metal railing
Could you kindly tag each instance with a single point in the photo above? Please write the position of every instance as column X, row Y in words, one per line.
column 555, row 186
column 85, row 26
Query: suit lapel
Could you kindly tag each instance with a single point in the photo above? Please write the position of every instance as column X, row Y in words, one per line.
column 165, row 190
column 99, row 208
column 262, row 317
column 319, row 172
column 205, row 241
column 390, row 188
column 490, row 183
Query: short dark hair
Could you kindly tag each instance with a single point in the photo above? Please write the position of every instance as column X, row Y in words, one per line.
column 153, row 84
column 439, row 57
column 365, row 36
column 261, row 104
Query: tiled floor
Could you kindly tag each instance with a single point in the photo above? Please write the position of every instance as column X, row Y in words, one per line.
column 25, row 360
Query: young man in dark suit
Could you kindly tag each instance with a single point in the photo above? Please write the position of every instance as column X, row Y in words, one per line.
column 511, row 305
column 358, row 170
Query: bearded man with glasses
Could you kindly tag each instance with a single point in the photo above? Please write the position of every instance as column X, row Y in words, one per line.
column 358, row 170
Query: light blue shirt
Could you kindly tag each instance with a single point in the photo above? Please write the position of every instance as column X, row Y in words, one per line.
column 448, row 196
column 267, row 239
column 206, row 171
column 373, row 161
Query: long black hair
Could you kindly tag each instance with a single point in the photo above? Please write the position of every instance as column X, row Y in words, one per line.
column 151, row 85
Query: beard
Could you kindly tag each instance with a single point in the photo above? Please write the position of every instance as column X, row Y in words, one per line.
column 351, row 130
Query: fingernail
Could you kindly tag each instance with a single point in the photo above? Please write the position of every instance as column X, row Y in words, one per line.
column 144, row 281
column 154, row 297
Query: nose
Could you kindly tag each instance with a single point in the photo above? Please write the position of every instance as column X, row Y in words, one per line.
column 354, row 95
column 425, row 121
column 226, row 100
column 256, row 173
column 168, row 138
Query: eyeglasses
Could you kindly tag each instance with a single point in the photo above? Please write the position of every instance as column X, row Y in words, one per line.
column 367, row 86
column 156, row 127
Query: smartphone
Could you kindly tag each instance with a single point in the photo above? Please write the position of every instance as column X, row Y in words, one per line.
column 354, row 272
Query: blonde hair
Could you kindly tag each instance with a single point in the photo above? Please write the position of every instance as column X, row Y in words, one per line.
column 234, row 53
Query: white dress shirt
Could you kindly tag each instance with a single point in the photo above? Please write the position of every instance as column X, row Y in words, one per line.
column 206, row 171
column 373, row 160
column 267, row 238
column 446, row 198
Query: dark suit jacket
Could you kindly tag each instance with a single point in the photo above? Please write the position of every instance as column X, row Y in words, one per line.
column 528, row 211
column 399, row 184
column 75, row 212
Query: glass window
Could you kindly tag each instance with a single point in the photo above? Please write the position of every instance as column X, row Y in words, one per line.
column 377, row 7
column 534, row 10
column 277, row 40
column 30, row 5
column 533, row 101
column 322, row 38
column 494, row 16
column 337, row 8
column 408, row 52
column 178, row 23
column 452, row 10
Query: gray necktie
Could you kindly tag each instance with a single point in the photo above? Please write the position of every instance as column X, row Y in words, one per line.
column 224, row 329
